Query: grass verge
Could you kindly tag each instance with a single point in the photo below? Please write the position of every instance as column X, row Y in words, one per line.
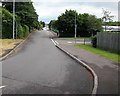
column 112, row 56
column 7, row 44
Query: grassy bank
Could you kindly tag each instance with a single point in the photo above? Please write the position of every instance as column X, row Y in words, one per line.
column 106, row 54
column 7, row 44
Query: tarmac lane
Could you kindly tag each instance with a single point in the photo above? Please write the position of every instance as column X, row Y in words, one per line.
column 40, row 68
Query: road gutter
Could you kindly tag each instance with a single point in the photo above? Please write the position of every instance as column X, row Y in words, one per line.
column 16, row 47
column 95, row 86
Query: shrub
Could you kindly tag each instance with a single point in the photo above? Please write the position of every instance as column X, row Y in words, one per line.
column 20, row 32
column 94, row 41
column 6, row 24
column 26, row 30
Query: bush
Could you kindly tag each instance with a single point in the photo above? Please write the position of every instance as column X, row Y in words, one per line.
column 6, row 24
column 26, row 31
column 94, row 41
column 20, row 32
column 6, row 31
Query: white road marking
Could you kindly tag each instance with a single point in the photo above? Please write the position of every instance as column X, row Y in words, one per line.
column 53, row 42
column 2, row 87
column 69, row 42
column 56, row 42
column 79, row 42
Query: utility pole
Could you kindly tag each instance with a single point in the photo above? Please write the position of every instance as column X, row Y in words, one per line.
column 13, row 19
column 75, row 28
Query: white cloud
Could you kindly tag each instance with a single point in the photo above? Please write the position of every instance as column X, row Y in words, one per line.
column 52, row 10
column 45, row 1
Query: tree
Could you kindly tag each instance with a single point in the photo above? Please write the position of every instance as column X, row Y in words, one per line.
column 66, row 23
column 107, row 17
column 25, row 10
column 87, row 24
column 52, row 24
column 6, row 24
column 25, row 16
column 43, row 23
column 94, row 25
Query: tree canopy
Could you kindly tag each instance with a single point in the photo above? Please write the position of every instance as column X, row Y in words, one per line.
column 25, row 17
column 87, row 24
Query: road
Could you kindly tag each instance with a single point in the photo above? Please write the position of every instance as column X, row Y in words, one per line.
column 40, row 68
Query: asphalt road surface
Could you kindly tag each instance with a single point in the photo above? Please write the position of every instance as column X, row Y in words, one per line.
column 40, row 68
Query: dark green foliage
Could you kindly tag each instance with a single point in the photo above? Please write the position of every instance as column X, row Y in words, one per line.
column 43, row 23
column 90, row 25
column 25, row 11
column 40, row 26
column 25, row 30
column 53, row 24
column 20, row 32
column 6, row 24
column 94, row 41
column 87, row 25
column 65, row 23
column 25, row 16
column 111, row 23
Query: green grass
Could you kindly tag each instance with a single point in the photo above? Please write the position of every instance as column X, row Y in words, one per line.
column 106, row 54
column 76, row 37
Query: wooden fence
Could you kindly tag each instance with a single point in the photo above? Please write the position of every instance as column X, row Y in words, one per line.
column 109, row 41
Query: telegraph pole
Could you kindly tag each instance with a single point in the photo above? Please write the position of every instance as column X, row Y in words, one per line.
column 13, row 19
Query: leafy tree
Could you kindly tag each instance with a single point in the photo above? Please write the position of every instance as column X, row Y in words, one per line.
column 66, row 23
column 107, row 17
column 87, row 25
column 43, row 23
column 6, row 24
column 25, row 11
column 40, row 26
column 52, row 24
column 94, row 25
column 111, row 23
column 25, row 16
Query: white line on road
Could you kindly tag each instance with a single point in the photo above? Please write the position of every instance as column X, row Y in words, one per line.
column 69, row 42
column 53, row 42
column 2, row 87
column 56, row 42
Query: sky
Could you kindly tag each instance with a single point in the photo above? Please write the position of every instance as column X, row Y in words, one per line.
column 50, row 9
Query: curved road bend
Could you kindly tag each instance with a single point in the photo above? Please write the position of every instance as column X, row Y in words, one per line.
column 41, row 68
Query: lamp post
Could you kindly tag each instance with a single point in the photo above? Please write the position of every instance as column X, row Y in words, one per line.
column 13, row 19
column 75, row 28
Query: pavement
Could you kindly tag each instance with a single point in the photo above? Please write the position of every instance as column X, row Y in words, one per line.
column 41, row 68
column 74, row 41
column 106, row 70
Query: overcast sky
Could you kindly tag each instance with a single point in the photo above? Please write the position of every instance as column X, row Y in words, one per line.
column 51, row 9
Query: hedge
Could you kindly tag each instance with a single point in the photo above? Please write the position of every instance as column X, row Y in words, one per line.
column 20, row 34
column 26, row 31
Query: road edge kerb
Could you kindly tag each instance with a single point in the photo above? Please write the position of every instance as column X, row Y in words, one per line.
column 13, row 50
column 95, row 86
